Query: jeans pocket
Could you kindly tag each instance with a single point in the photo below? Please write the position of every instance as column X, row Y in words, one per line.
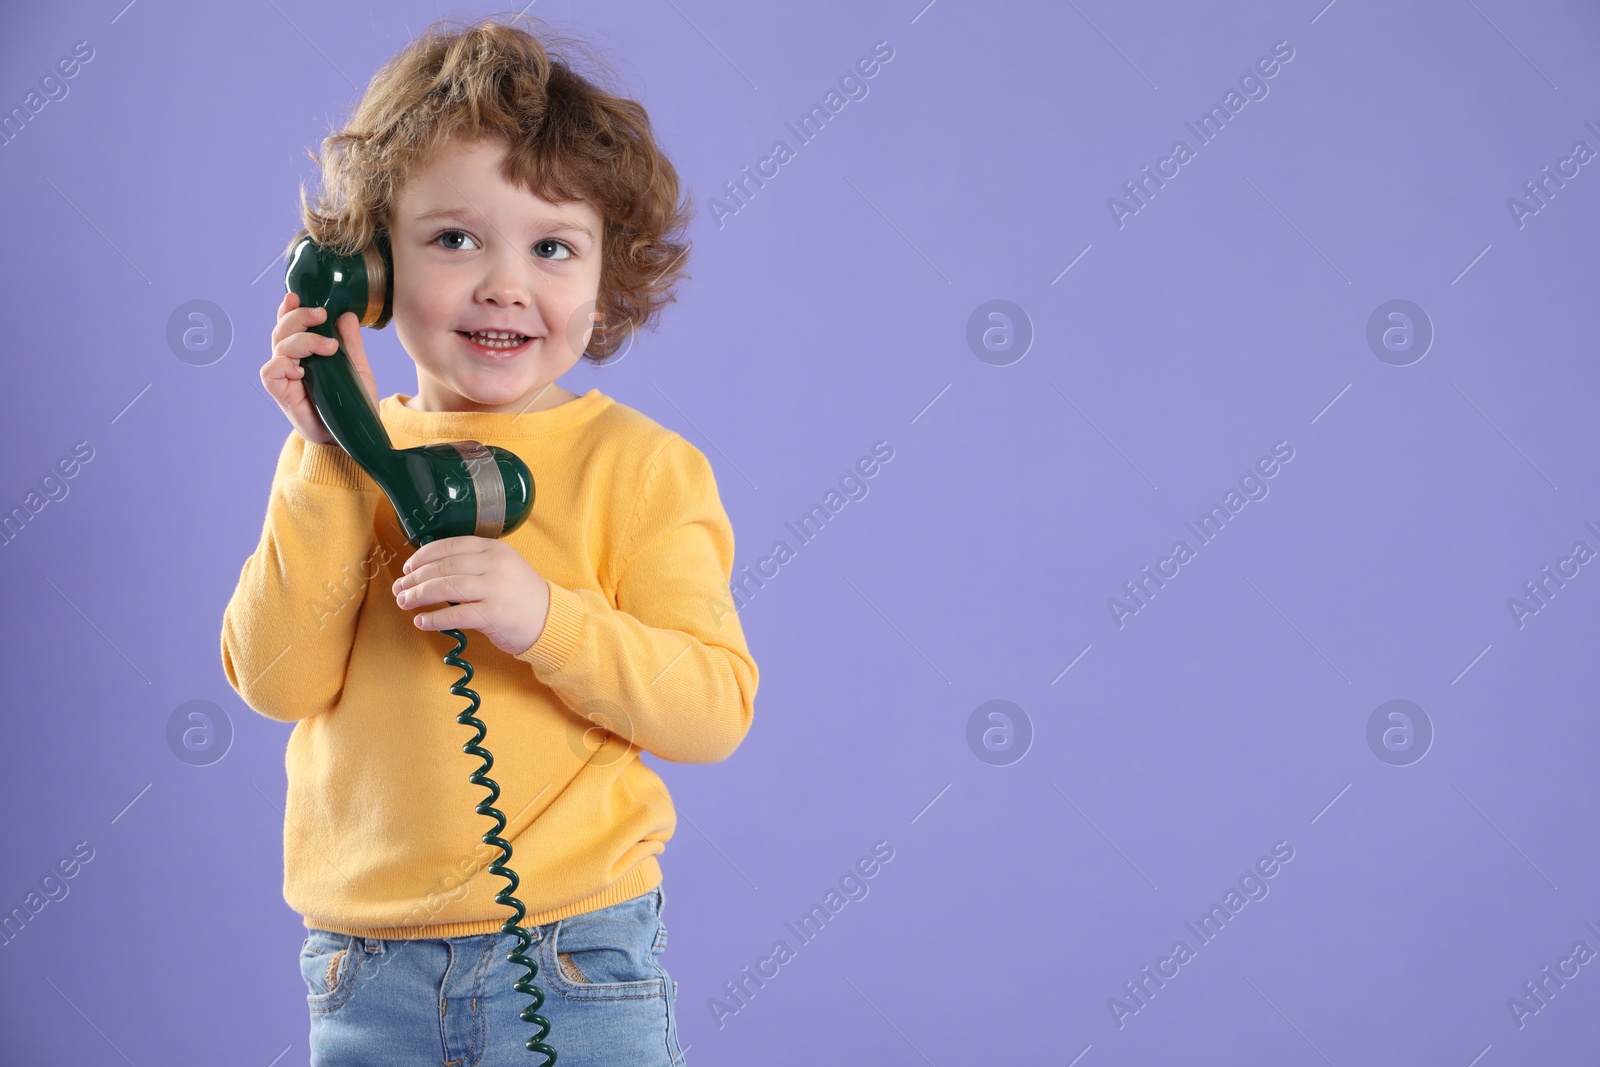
column 660, row 944
column 328, row 963
column 608, row 954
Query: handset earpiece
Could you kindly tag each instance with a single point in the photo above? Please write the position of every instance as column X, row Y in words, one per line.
column 438, row 490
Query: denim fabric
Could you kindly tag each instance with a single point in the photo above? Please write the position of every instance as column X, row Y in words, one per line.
column 452, row 1002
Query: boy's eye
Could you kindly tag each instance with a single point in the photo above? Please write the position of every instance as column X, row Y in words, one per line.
column 556, row 243
column 446, row 235
column 549, row 245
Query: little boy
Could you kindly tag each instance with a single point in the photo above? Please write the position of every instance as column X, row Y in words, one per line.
column 518, row 199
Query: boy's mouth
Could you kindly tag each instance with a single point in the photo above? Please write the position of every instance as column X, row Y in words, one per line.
column 495, row 342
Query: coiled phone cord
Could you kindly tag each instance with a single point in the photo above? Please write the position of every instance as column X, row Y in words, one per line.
column 530, row 1014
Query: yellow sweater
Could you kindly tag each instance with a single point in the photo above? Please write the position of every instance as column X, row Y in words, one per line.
column 642, row 644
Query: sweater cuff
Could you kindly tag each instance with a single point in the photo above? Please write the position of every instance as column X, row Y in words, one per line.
column 563, row 627
column 328, row 464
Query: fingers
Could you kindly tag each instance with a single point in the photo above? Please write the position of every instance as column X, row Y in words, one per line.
column 296, row 320
column 287, row 353
column 291, row 343
column 349, row 328
column 455, row 588
column 434, row 577
column 279, row 370
column 439, row 551
column 294, row 338
column 289, row 302
column 457, row 617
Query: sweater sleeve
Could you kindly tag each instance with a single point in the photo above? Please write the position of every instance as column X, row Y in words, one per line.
column 667, row 668
column 288, row 628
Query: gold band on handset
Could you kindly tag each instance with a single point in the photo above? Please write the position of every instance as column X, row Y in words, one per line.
column 377, row 283
column 488, row 487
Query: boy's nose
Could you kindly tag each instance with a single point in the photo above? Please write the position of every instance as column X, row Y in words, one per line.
column 506, row 294
column 506, row 285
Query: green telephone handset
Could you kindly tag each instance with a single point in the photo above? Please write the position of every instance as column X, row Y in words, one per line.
column 439, row 490
column 479, row 490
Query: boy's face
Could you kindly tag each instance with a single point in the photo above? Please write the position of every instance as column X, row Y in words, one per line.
column 474, row 252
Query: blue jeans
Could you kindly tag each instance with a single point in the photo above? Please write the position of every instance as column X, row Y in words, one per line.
column 452, row 1001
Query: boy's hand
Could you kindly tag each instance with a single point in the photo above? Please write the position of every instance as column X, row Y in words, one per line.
column 291, row 342
column 495, row 591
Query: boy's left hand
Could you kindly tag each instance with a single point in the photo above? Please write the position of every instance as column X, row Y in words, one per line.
column 496, row 592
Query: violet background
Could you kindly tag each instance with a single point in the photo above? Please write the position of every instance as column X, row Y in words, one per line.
column 832, row 312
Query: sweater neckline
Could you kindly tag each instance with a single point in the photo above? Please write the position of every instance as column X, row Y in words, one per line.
column 478, row 425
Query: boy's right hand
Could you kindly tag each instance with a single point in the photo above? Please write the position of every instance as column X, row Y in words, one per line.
column 291, row 341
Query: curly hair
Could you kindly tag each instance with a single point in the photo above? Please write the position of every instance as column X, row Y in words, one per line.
column 567, row 139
